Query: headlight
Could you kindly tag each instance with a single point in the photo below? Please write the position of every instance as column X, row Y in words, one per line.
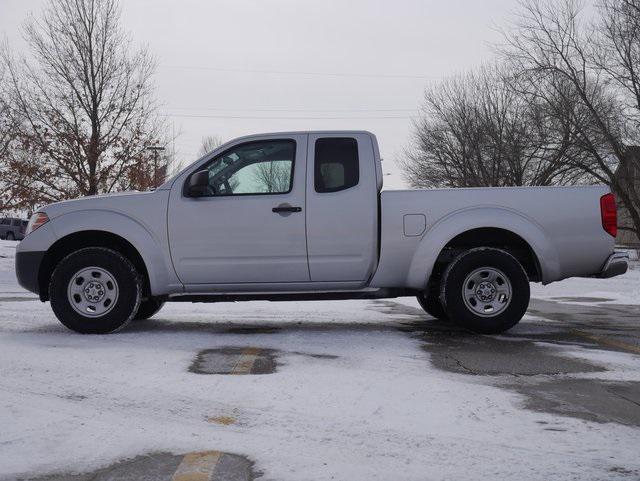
column 38, row 219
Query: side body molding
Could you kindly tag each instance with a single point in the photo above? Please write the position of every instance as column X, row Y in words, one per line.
column 152, row 245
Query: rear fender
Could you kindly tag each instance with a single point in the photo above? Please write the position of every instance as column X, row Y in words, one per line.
column 459, row 222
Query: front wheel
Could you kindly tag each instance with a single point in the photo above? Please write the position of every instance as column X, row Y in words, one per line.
column 95, row 291
column 485, row 290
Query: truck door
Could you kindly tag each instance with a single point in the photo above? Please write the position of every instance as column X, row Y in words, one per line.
column 342, row 207
column 249, row 227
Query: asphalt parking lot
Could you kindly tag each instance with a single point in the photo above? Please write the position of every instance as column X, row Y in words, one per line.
column 521, row 357
column 356, row 390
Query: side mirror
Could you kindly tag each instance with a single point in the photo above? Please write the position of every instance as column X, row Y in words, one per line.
column 198, row 184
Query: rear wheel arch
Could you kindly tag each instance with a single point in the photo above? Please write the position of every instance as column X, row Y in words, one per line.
column 491, row 237
column 485, row 237
column 89, row 238
column 484, row 226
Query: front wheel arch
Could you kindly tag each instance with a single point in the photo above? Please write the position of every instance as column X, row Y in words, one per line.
column 83, row 239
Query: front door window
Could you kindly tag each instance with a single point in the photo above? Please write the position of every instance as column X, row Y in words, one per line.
column 253, row 169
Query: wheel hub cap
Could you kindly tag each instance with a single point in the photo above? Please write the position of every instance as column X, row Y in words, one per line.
column 487, row 292
column 92, row 292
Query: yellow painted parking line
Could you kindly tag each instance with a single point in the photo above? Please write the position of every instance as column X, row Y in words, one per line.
column 197, row 466
column 245, row 361
column 607, row 341
column 224, row 420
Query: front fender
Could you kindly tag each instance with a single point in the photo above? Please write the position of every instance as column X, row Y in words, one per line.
column 152, row 246
column 456, row 223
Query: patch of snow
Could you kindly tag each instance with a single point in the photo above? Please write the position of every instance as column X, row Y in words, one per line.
column 620, row 290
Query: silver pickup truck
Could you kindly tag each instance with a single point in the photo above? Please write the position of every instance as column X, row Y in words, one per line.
column 302, row 216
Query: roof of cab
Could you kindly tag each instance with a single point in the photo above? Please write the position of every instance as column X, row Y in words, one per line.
column 303, row 132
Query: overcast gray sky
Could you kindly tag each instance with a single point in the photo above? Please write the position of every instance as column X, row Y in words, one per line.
column 235, row 67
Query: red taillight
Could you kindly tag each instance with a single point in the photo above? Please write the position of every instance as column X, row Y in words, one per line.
column 609, row 213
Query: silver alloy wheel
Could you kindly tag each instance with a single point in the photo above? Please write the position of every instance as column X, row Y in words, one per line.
column 92, row 292
column 487, row 292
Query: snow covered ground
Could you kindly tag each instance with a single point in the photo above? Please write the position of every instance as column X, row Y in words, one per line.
column 620, row 290
column 372, row 406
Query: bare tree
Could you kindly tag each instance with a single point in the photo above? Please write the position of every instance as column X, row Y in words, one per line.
column 592, row 65
column 273, row 176
column 482, row 129
column 209, row 143
column 8, row 134
column 86, row 104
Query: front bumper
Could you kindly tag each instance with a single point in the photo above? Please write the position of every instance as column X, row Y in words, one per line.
column 616, row 265
column 28, row 268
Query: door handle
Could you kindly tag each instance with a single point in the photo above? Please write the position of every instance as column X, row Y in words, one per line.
column 286, row 209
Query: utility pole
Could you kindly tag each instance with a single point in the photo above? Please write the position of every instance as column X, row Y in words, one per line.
column 155, row 150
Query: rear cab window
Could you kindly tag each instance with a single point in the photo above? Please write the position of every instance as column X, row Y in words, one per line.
column 336, row 165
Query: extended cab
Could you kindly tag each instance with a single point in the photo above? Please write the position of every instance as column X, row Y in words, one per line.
column 302, row 215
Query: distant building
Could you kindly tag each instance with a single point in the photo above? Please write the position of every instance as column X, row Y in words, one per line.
column 627, row 238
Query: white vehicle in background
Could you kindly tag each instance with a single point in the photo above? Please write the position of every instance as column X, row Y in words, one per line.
column 12, row 228
column 300, row 216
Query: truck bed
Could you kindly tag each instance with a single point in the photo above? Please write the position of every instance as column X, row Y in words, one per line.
column 562, row 225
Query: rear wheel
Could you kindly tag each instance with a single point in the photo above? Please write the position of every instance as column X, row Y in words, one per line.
column 95, row 291
column 485, row 290
column 10, row 236
column 148, row 308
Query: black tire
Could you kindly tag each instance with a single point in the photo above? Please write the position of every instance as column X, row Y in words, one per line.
column 465, row 312
column 430, row 302
column 148, row 308
column 128, row 289
column 10, row 236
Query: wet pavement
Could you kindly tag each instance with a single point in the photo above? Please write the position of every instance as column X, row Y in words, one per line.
column 526, row 360
column 596, row 401
column 501, row 357
column 17, row 299
column 606, row 325
column 200, row 466
column 234, row 361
